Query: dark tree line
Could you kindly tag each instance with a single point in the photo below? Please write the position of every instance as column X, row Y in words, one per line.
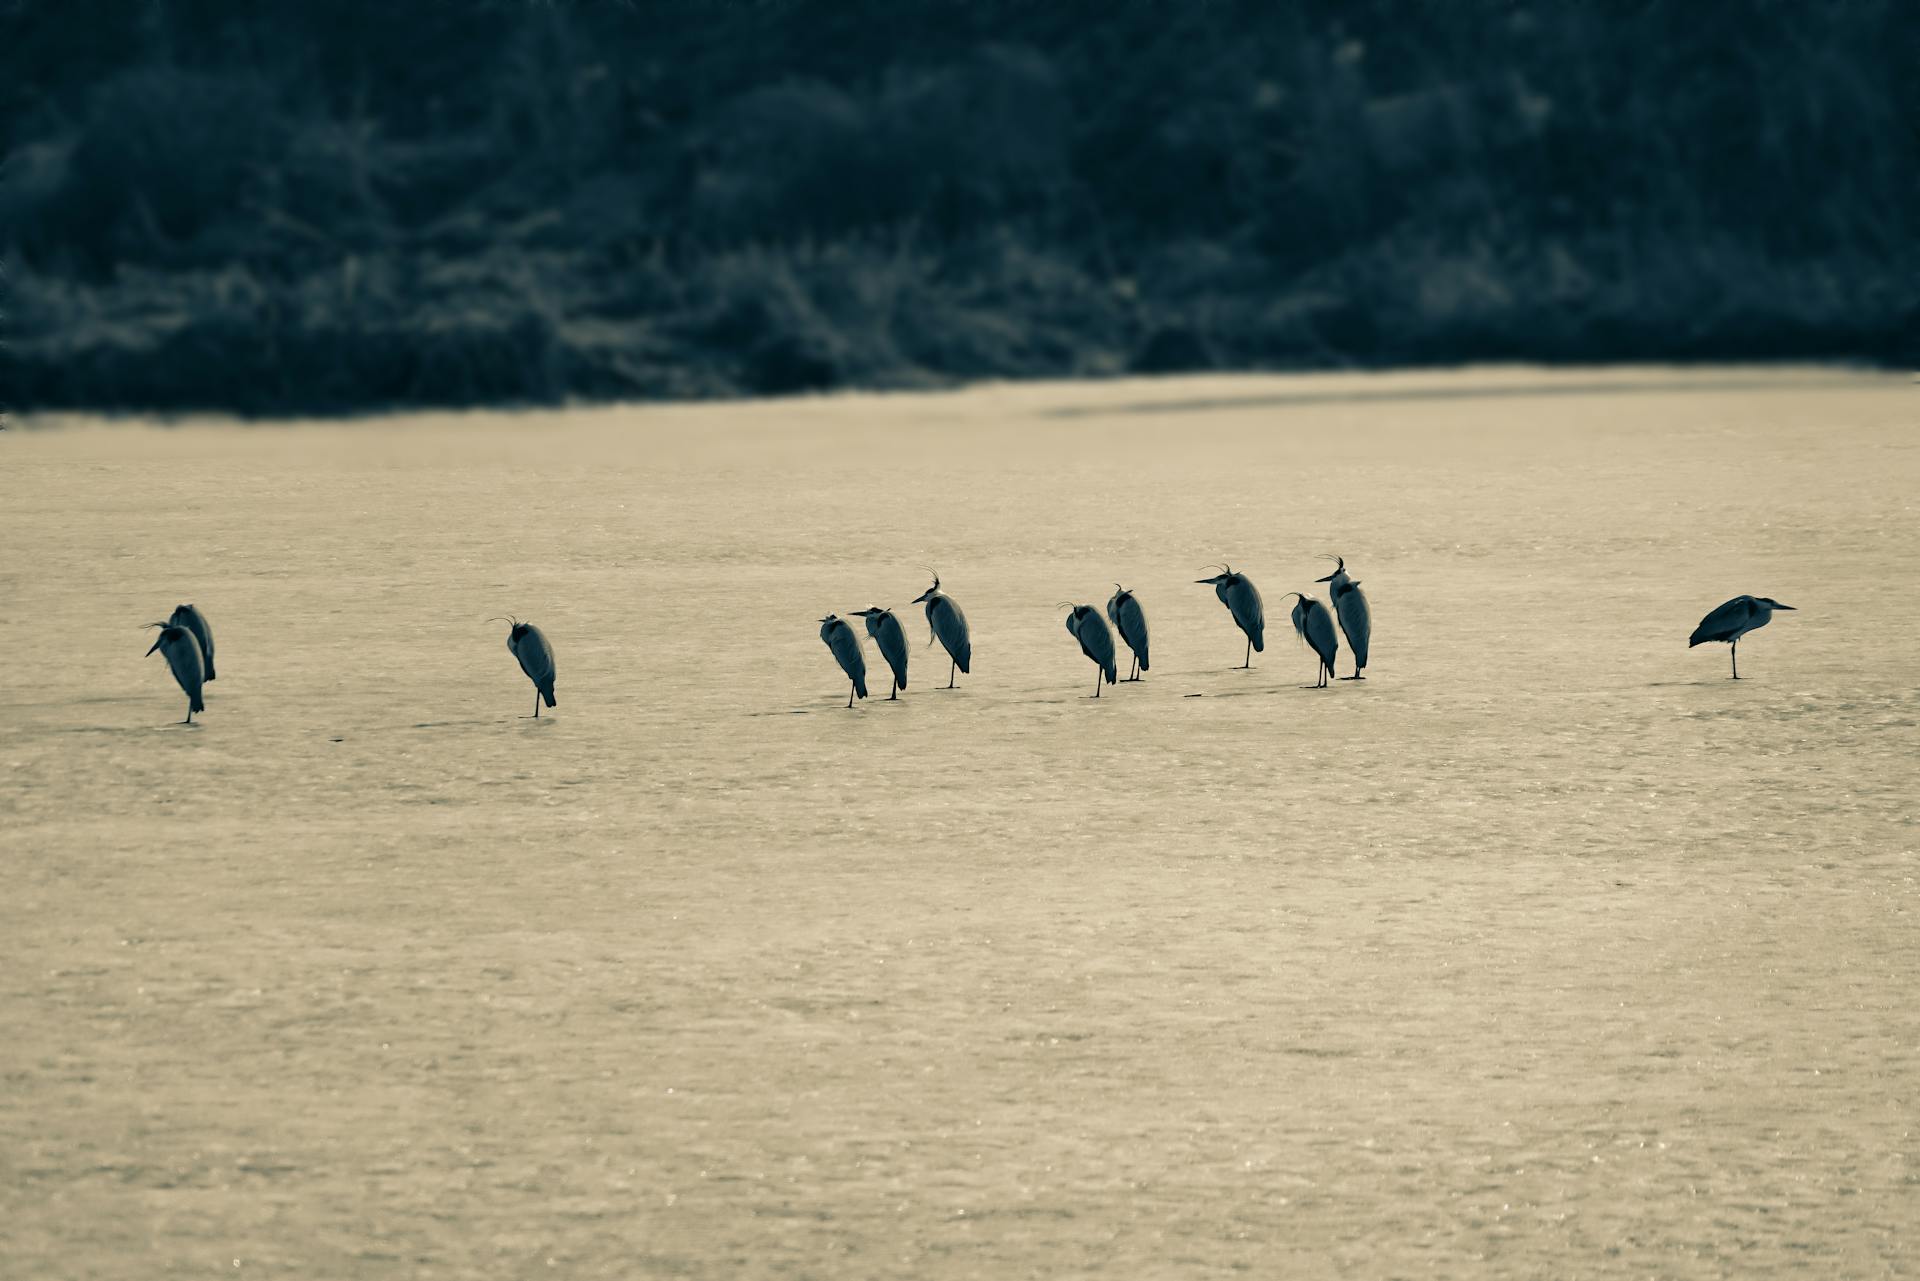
column 282, row 206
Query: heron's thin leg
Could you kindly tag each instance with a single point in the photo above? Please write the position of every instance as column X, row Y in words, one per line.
column 536, row 702
column 850, row 690
column 1736, row 658
column 1249, row 662
column 896, row 692
column 953, row 669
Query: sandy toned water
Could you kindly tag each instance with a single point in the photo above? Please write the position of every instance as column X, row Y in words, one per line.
column 1548, row 951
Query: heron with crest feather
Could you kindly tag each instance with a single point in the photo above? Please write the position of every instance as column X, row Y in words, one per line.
column 182, row 652
column 1242, row 599
column 949, row 625
column 1131, row 622
column 529, row 644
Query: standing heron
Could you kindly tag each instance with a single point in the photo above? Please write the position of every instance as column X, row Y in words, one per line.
column 1356, row 619
column 846, row 648
column 1131, row 622
column 182, row 652
column 1733, row 620
column 190, row 617
column 1096, row 642
column 529, row 644
column 892, row 640
column 1314, row 624
column 950, row 625
column 1242, row 599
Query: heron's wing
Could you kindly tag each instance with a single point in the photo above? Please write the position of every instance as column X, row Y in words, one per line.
column 893, row 647
column 846, row 649
column 183, row 656
column 1096, row 642
column 1356, row 620
column 1132, row 622
column 536, row 657
column 1320, row 634
column 1725, row 622
column 1248, row 611
column 1300, row 619
column 950, row 625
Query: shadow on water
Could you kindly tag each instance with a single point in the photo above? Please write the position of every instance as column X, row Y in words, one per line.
column 1382, row 395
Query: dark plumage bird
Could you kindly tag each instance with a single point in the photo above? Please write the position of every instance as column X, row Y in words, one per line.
column 950, row 625
column 190, row 617
column 529, row 644
column 1733, row 620
column 846, row 649
column 1314, row 624
column 1356, row 619
column 892, row 640
column 182, row 652
column 1131, row 622
column 1242, row 599
column 1096, row 642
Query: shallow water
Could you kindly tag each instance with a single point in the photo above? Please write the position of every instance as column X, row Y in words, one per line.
column 1546, row 951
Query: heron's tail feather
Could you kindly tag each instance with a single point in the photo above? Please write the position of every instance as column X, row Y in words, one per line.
column 860, row 686
column 195, row 702
column 1259, row 644
column 209, row 669
column 1699, row 635
column 547, row 693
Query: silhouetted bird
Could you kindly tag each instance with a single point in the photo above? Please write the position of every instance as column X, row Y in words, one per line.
column 1131, row 622
column 529, row 644
column 1096, row 642
column 892, row 640
column 1356, row 619
column 950, row 625
column 1314, row 625
column 189, row 617
column 1242, row 599
column 1733, row 620
column 846, row 648
column 182, row 652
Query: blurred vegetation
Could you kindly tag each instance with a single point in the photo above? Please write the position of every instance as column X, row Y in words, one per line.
column 278, row 206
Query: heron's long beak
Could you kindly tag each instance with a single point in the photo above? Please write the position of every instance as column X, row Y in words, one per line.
column 922, row 596
column 1778, row 605
column 156, row 645
column 1327, row 579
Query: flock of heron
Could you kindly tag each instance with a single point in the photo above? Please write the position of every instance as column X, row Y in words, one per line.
column 186, row 638
column 1313, row 621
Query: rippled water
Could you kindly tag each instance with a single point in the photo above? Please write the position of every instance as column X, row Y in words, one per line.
column 1547, row 951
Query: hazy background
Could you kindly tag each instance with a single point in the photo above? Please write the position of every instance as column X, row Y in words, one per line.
column 277, row 206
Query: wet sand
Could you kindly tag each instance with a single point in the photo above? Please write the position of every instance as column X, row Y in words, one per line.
column 1546, row 951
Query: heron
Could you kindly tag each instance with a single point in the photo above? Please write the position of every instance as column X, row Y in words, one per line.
column 1131, row 622
column 1096, row 642
column 950, row 625
column 892, row 640
column 1242, row 599
column 846, row 648
column 1356, row 619
column 529, row 644
column 1314, row 623
column 190, row 617
column 1733, row 620
column 182, row 652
